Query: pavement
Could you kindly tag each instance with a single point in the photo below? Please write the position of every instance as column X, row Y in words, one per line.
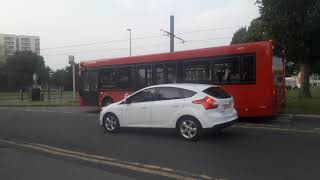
column 64, row 143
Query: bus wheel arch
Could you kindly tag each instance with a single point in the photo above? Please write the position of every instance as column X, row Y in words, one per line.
column 106, row 101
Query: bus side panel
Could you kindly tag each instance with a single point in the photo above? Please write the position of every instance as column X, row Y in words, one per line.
column 115, row 94
column 253, row 100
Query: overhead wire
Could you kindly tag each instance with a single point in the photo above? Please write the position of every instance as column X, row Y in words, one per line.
column 210, row 29
column 138, row 38
column 136, row 47
column 101, row 42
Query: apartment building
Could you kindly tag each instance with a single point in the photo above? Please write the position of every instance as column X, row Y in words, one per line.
column 10, row 43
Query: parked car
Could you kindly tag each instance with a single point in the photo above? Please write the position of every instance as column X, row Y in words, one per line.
column 189, row 108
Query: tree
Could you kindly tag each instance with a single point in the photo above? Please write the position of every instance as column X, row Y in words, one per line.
column 20, row 68
column 255, row 32
column 3, row 71
column 295, row 25
column 63, row 77
column 240, row 36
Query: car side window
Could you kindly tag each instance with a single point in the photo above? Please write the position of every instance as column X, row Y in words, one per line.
column 188, row 93
column 168, row 93
column 143, row 96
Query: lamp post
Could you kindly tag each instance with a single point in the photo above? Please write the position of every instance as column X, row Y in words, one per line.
column 72, row 63
column 130, row 38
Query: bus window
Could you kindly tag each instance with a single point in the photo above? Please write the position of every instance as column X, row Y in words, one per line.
column 159, row 74
column 248, row 69
column 144, row 76
column 107, row 78
column 171, row 72
column 124, row 77
column 226, row 70
column 197, row 71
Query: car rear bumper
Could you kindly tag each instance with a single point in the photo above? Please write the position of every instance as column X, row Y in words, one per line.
column 223, row 125
column 212, row 120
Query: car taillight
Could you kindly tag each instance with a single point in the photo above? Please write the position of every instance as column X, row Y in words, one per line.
column 207, row 103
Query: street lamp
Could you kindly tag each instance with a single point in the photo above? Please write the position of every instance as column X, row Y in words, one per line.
column 130, row 38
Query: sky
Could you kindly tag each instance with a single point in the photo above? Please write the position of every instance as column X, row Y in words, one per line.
column 97, row 29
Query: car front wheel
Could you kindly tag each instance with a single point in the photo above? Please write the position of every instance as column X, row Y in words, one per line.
column 189, row 128
column 111, row 123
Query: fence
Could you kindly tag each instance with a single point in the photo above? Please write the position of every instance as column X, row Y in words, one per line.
column 54, row 97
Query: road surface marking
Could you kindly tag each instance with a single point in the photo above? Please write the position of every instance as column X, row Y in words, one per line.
column 68, row 112
column 317, row 130
column 279, row 129
column 138, row 167
column 266, row 125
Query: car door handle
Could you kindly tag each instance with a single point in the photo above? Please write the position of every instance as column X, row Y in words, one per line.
column 174, row 106
column 144, row 107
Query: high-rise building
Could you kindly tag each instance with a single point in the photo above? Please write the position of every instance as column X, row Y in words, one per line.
column 10, row 43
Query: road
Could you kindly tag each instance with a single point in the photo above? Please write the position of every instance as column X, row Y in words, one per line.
column 67, row 143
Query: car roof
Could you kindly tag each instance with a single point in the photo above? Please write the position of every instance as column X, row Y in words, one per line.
column 188, row 86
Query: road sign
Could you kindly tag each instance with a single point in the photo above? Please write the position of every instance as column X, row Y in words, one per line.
column 71, row 59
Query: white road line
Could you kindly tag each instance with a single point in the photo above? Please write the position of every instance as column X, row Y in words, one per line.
column 279, row 129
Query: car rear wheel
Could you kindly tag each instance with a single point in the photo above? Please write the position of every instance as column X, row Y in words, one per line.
column 189, row 128
column 111, row 123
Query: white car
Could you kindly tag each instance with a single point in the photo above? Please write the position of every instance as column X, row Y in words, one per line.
column 190, row 108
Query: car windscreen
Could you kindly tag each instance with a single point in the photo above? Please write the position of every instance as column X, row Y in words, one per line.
column 217, row 92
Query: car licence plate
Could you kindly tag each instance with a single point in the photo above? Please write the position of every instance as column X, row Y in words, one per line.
column 227, row 106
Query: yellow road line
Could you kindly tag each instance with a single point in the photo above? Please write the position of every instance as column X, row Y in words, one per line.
column 134, row 166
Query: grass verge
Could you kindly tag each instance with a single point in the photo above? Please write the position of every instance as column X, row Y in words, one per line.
column 297, row 105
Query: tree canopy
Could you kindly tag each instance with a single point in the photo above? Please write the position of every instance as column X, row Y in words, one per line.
column 20, row 68
column 255, row 32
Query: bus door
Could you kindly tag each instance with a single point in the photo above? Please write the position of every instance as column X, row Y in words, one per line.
column 89, row 88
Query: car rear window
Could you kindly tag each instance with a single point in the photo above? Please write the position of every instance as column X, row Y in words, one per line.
column 217, row 92
column 168, row 93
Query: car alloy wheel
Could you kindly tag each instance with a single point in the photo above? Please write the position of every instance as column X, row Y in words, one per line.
column 188, row 129
column 111, row 123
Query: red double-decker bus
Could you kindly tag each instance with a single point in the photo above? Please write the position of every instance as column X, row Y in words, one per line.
column 251, row 72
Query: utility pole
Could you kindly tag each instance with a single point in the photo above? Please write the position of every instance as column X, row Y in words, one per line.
column 71, row 62
column 130, row 38
column 171, row 34
column 61, row 83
